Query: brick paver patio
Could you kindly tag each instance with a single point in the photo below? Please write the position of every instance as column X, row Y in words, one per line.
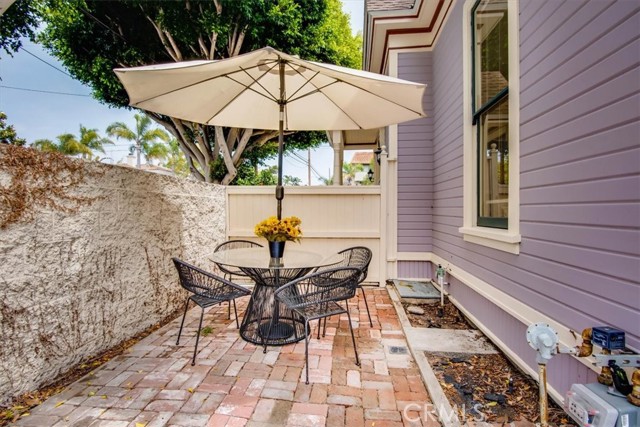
column 234, row 384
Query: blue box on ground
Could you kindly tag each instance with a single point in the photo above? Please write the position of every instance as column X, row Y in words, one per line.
column 608, row 337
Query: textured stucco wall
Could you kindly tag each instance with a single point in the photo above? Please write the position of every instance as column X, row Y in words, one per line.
column 73, row 285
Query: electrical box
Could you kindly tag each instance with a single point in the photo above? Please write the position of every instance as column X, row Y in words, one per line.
column 608, row 337
column 590, row 405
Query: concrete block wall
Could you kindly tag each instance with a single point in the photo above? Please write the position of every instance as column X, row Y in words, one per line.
column 74, row 285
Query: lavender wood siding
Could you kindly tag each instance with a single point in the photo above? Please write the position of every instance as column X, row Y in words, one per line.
column 580, row 173
column 415, row 162
column 414, row 269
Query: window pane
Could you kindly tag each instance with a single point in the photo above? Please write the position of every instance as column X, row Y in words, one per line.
column 491, row 68
column 493, row 167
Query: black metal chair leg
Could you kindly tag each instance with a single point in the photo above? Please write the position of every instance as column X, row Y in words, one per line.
column 306, row 348
column 235, row 310
column 195, row 351
column 353, row 338
column 324, row 327
column 229, row 310
column 186, row 306
column 366, row 305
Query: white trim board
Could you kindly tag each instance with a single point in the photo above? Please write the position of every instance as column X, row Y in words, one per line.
column 510, row 305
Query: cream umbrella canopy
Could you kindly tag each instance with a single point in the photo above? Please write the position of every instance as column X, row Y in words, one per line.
column 269, row 89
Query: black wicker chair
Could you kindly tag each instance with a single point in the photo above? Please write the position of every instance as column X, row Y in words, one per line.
column 359, row 257
column 207, row 289
column 316, row 296
column 228, row 271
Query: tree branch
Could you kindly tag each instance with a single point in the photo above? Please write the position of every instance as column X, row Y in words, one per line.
column 266, row 137
column 162, row 38
column 237, row 155
column 239, row 42
column 232, row 136
column 174, row 45
column 231, row 169
column 194, row 153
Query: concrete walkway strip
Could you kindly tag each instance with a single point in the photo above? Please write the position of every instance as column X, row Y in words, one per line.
column 449, row 340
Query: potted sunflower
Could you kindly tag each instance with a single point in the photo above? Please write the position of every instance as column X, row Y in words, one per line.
column 278, row 232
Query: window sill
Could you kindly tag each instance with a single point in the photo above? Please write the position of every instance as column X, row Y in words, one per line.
column 502, row 240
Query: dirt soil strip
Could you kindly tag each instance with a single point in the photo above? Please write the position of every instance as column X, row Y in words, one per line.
column 440, row 402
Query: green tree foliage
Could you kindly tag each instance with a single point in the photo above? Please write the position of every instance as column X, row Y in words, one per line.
column 293, row 181
column 92, row 37
column 250, row 176
column 19, row 20
column 147, row 141
column 349, row 171
column 175, row 159
column 69, row 144
column 8, row 133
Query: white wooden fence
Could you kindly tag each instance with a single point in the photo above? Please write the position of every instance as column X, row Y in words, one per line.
column 333, row 218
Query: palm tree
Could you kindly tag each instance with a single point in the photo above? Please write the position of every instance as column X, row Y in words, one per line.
column 46, row 145
column 89, row 141
column 145, row 140
column 176, row 160
column 349, row 171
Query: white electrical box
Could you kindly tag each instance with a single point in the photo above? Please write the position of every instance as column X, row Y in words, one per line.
column 591, row 406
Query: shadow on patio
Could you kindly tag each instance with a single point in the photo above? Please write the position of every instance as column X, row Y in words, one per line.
column 234, row 384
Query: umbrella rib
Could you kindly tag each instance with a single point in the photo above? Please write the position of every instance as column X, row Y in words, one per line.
column 207, row 80
column 272, row 98
column 319, row 89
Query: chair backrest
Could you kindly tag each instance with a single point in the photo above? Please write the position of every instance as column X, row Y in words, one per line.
column 335, row 284
column 359, row 257
column 203, row 283
column 236, row 244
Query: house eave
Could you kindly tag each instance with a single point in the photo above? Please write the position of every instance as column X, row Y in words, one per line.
column 412, row 28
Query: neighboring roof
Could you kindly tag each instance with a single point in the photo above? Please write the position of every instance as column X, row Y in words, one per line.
column 493, row 82
column 362, row 158
column 390, row 4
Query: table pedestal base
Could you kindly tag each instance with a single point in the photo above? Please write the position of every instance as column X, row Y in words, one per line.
column 278, row 331
column 263, row 310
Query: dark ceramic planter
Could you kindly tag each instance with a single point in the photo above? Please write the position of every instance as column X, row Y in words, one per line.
column 276, row 249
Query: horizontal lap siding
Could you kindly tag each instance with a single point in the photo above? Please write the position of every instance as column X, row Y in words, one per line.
column 415, row 165
column 580, row 162
column 579, row 260
column 447, row 143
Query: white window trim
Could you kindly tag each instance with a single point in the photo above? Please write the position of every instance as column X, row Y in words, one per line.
column 504, row 240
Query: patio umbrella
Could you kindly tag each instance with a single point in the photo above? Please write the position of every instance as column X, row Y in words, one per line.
column 269, row 89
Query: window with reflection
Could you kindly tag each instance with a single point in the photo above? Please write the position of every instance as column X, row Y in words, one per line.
column 490, row 97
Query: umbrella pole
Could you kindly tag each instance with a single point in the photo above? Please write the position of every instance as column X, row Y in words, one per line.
column 279, row 187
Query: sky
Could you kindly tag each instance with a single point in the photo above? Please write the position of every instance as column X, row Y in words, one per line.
column 42, row 101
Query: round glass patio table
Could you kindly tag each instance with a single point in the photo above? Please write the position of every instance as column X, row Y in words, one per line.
column 266, row 322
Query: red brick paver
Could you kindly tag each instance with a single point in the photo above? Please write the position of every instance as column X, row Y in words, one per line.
column 235, row 384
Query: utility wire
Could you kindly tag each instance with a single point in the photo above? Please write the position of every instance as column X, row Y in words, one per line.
column 306, row 163
column 111, row 30
column 49, row 64
column 43, row 91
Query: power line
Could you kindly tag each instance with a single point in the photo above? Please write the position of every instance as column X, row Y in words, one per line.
column 49, row 64
column 43, row 91
column 306, row 163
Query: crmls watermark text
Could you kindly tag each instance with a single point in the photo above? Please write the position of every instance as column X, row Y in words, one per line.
column 415, row 412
